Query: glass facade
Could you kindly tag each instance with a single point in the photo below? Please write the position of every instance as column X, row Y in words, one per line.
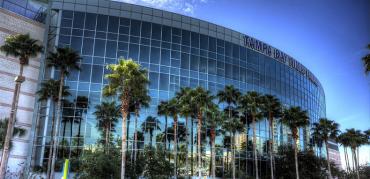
column 32, row 9
column 174, row 58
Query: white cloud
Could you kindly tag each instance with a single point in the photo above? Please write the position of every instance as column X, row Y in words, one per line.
column 180, row 6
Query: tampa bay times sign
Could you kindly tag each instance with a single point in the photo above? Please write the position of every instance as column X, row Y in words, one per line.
column 278, row 55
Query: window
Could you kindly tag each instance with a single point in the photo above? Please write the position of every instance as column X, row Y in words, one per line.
column 153, row 78
column 113, row 24
column 135, row 28
column 184, row 60
column 163, row 82
column 90, row 21
column 194, row 63
column 146, row 29
column 78, row 20
column 111, row 49
column 204, row 42
column 85, row 73
column 134, row 51
column 166, row 33
column 102, row 21
column 194, row 39
column 165, row 57
column 76, row 43
column 212, row 66
column 156, row 31
column 228, row 49
column 144, row 54
column 203, row 65
column 185, row 38
column 88, row 46
column 99, row 47
column 97, row 74
column 154, row 55
column 228, row 70
column 212, row 44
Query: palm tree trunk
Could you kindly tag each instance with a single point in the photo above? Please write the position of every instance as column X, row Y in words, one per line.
column 355, row 163
column 358, row 158
column 13, row 113
column 347, row 159
column 254, row 146
column 296, row 157
column 233, row 150
column 187, row 146
column 213, row 153
column 58, row 114
column 175, row 144
column 246, row 146
column 124, row 110
column 79, row 135
column 63, row 135
column 135, row 135
column 70, row 138
column 192, row 146
column 271, row 145
column 328, row 158
column 51, row 141
column 199, row 143
column 106, row 138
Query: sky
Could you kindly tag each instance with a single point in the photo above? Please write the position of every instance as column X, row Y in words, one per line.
column 329, row 37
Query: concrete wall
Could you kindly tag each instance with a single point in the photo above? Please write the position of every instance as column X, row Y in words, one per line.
column 11, row 23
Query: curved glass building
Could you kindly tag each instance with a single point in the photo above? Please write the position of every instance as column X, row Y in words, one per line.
column 178, row 51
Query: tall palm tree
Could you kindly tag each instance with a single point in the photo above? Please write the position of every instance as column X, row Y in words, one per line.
column 366, row 60
column 50, row 90
column 230, row 96
column 150, row 125
column 82, row 104
column 22, row 47
column 17, row 132
column 326, row 130
column 173, row 109
column 163, row 110
column 64, row 60
column 272, row 109
column 201, row 99
column 233, row 125
column 344, row 140
column 356, row 139
column 295, row 118
column 214, row 119
column 252, row 102
column 317, row 140
column 125, row 78
column 140, row 98
column 107, row 115
column 186, row 111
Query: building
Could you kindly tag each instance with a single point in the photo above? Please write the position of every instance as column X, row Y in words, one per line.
column 177, row 50
column 334, row 154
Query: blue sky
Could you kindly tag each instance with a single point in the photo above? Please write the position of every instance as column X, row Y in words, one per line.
column 327, row 36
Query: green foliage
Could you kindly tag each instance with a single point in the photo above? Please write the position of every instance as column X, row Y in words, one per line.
column 156, row 165
column 4, row 126
column 50, row 89
column 366, row 60
column 64, row 59
column 295, row 118
column 21, row 46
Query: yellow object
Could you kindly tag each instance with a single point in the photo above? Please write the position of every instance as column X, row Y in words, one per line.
column 65, row 169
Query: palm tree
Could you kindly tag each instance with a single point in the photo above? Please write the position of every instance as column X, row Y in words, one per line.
column 213, row 119
column 316, row 137
column 201, row 99
column 326, row 129
column 366, row 60
column 252, row 102
column 233, row 125
column 22, row 47
column 64, row 59
column 163, row 110
column 356, row 139
column 125, row 78
column 295, row 118
column 17, row 131
column 150, row 125
column 107, row 115
column 272, row 109
column 173, row 109
column 186, row 111
column 344, row 140
column 140, row 98
column 49, row 90
column 230, row 96
column 82, row 104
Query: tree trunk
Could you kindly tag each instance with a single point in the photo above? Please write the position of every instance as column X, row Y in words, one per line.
column 254, row 146
column 295, row 157
column 165, row 137
column 199, row 143
column 271, row 144
column 187, row 146
column 192, row 146
column 51, row 142
column 57, row 122
column 213, row 153
column 233, row 151
column 10, row 128
column 355, row 163
column 70, row 138
column 328, row 159
column 124, row 110
column 135, row 135
column 63, row 135
column 106, row 138
column 246, row 145
column 79, row 135
column 175, row 144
